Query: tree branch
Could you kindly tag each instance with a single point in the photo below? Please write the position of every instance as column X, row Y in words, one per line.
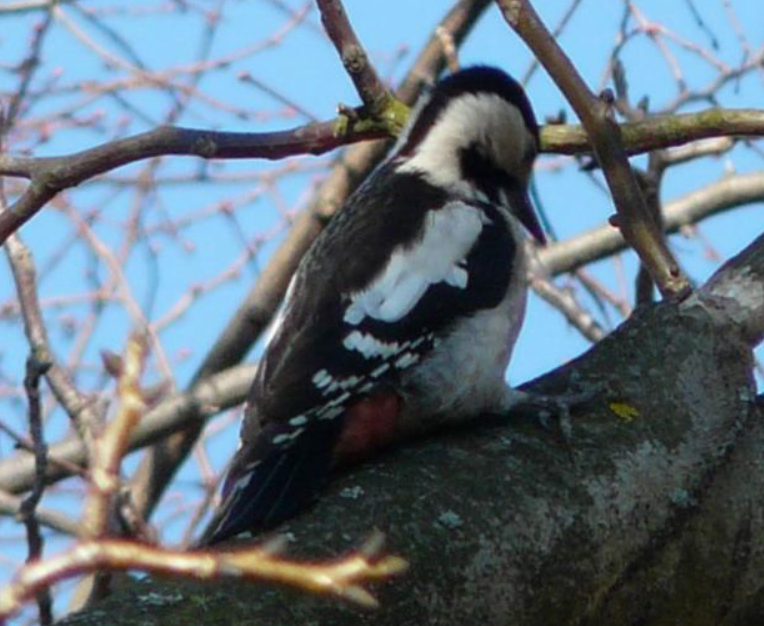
column 49, row 175
column 79, row 409
column 660, row 131
column 208, row 397
column 370, row 88
column 343, row 578
column 603, row 241
column 635, row 222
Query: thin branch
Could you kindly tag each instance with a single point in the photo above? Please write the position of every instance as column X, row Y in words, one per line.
column 558, row 29
column 342, row 578
column 79, row 409
column 112, row 444
column 49, row 175
column 27, row 69
column 596, row 114
column 24, row 443
column 604, row 241
column 35, row 369
column 370, row 88
column 563, row 300
column 208, row 397
column 28, row 6
column 11, row 505
column 660, row 131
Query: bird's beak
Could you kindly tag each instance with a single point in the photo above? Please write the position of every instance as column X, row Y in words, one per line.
column 522, row 206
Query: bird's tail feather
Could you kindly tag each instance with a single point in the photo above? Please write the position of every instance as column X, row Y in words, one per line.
column 272, row 482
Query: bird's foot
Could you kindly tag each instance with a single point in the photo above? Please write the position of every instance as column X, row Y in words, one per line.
column 551, row 412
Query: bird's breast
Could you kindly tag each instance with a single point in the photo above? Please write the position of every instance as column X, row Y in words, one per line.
column 464, row 373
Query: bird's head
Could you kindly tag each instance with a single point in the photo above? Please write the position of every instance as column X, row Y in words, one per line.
column 475, row 133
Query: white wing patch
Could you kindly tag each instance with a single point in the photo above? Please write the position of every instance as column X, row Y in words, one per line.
column 369, row 346
column 438, row 256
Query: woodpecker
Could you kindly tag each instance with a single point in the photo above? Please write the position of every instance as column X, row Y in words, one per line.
column 405, row 309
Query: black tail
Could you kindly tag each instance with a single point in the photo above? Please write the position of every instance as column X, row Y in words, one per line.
column 270, row 482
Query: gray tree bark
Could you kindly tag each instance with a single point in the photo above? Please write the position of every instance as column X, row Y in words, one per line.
column 652, row 513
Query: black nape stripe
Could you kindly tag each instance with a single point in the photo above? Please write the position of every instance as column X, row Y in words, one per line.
column 484, row 174
column 472, row 80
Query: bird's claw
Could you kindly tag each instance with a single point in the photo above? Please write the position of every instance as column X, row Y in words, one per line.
column 552, row 412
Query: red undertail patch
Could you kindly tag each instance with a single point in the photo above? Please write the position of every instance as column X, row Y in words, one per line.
column 370, row 424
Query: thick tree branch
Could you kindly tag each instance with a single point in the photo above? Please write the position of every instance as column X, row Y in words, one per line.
column 737, row 289
column 654, row 496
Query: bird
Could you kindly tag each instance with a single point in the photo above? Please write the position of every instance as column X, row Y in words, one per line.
column 405, row 309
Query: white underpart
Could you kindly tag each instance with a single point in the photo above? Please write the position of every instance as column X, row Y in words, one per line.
column 485, row 119
column 438, row 256
column 464, row 373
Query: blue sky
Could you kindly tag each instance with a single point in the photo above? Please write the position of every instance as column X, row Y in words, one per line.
column 305, row 69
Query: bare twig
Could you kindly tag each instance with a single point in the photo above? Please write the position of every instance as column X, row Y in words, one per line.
column 558, row 29
column 11, row 505
column 563, row 300
column 53, row 174
column 35, row 370
column 25, row 443
column 633, row 217
column 603, row 241
column 27, row 69
column 370, row 88
column 77, row 406
column 343, row 578
column 113, row 442
column 209, row 396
